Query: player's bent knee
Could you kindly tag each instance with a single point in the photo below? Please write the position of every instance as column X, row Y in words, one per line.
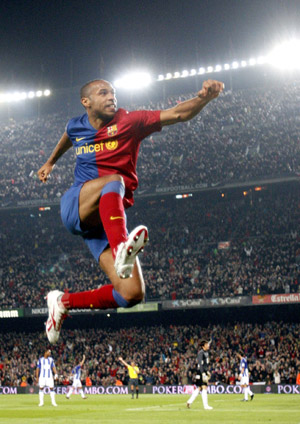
column 115, row 177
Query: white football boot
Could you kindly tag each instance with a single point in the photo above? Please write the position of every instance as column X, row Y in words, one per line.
column 128, row 250
column 56, row 315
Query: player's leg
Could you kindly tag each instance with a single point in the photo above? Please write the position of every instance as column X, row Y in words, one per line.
column 137, row 391
column 193, row 397
column 204, row 398
column 71, row 389
column 80, row 390
column 52, row 395
column 245, row 391
column 101, row 202
column 250, row 393
column 41, row 395
column 121, row 293
column 132, row 390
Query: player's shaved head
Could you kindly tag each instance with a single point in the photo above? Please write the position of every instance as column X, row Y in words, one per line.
column 86, row 88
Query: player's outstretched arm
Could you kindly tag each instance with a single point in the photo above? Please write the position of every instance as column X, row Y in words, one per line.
column 123, row 362
column 82, row 362
column 187, row 110
column 62, row 146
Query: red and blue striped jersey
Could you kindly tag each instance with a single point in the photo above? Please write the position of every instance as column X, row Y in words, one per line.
column 113, row 149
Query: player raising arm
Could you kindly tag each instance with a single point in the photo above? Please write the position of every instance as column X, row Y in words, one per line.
column 76, row 375
column 244, row 377
column 133, row 371
column 106, row 141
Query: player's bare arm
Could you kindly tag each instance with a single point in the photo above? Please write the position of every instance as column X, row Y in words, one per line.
column 37, row 375
column 190, row 108
column 123, row 362
column 62, row 146
column 82, row 362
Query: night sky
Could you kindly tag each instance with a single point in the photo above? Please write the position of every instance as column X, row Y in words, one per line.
column 60, row 43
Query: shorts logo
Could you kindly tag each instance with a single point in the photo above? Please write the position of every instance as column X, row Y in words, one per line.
column 80, row 138
column 112, row 130
column 111, row 145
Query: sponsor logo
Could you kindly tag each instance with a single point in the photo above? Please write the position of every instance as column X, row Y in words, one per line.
column 112, row 130
column 276, row 298
column 80, row 138
column 39, row 311
column 110, row 390
column 97, row 147
column 285, row 298
column 8, row 390
column 112, row 218
column 289, row 389
column 9, row 314
column 207, row 303
column 111, row 145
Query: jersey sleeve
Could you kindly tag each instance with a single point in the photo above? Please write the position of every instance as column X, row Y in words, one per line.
column 145, row 122
column 200, row 361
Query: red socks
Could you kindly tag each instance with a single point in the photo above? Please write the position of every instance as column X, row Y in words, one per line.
column 101, row 298
column 112, row 215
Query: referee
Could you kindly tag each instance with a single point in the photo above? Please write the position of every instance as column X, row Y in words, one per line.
column 202, row 375
column 133, row 371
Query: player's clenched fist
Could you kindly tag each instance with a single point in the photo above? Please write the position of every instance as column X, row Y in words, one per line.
column 44, row 172
column 211, row 89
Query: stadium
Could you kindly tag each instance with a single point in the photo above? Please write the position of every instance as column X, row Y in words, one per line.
column 219, row 195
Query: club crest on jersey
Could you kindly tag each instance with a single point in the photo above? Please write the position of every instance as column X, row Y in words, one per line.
column 112, row 130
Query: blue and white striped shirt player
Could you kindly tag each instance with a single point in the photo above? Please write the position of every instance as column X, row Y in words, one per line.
column 244, row 371
column 46, row 366
column 76, row 376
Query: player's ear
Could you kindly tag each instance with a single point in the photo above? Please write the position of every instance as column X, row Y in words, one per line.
column 85, row 101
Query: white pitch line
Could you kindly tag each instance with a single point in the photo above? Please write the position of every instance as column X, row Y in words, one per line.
column 179, row 407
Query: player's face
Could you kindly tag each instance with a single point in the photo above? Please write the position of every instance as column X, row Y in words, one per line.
column 101, row 102
column 206, row 346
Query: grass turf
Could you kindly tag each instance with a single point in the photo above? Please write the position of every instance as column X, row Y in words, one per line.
column 149, row 409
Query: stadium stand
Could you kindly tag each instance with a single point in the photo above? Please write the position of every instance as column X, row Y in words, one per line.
column 164, row 354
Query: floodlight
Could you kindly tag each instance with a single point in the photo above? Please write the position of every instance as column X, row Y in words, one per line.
column 193, row 72
column 185, row 74
column 47, row 93
column 201, row 71
column 226, row 66
column 235, row 65
column 160, row 78
column 243, row 63
column 261, row 60
column 31, row 94
column 252, row 62
column 210, row 69
column 176, row 74
column 218, row 68
column 39, row 93
column 286, row 55
column 169, row 75
column 136, row 80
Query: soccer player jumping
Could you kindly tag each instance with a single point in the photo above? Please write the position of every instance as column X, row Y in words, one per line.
column 106, row 141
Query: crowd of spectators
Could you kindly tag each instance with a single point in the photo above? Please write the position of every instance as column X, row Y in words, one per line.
column 164, row 354
column 244, row 135
column 183, row 260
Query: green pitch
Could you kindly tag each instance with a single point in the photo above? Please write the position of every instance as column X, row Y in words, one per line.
column 152, row 409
